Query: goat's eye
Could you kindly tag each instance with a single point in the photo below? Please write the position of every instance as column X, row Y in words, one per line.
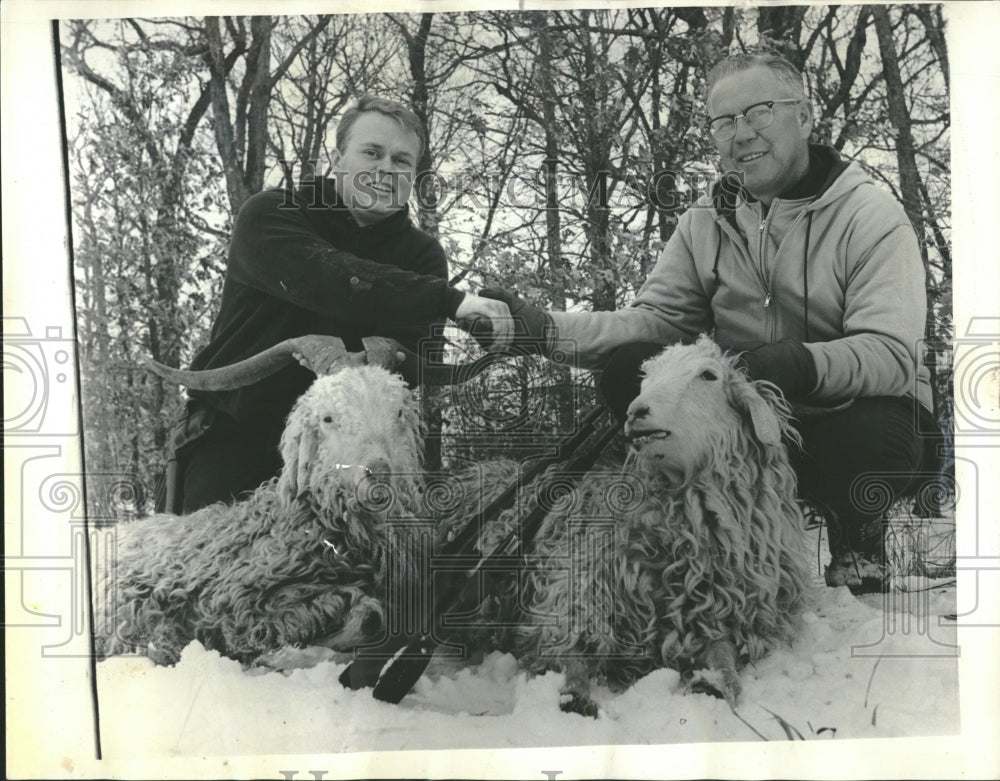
column 399, row 414
column 328, row 418
column 709, row 375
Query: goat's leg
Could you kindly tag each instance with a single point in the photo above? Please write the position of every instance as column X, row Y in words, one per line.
column 311, row 630
column 166, row 642
column 575, row 694
column 371, row 629
column 363, row 623
column 717, row 675
column 289, row 658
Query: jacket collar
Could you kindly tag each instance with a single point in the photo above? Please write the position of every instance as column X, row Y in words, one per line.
column 323, row 194
column 825, row 165
column 825, row 168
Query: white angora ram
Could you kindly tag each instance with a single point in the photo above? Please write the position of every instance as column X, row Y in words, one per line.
column 302, row 561
column 692, row 558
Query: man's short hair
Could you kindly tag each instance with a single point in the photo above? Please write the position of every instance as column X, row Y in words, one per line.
column 734, row 63
column 390, row 108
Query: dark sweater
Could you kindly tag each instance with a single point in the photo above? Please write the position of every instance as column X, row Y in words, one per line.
column 297, row 266
column 825, row 165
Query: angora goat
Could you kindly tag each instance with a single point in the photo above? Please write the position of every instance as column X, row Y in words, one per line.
column 691, row 558
column 303, row 560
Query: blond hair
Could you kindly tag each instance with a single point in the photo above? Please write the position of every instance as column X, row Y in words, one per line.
column 406, row 118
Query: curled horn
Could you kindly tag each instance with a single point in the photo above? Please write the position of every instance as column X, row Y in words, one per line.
column 323, row 355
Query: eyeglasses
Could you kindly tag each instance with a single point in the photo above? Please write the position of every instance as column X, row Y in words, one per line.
column 758, row 117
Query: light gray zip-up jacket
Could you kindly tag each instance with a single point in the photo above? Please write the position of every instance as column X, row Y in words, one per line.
column 855, row 297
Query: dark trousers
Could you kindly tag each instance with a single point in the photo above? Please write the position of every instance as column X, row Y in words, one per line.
column 854, row 463
column 214, row 459
column 226, row 465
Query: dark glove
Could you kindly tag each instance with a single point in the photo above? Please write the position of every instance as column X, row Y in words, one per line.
column 620, row 380
column 788, row 364
column 534, row 329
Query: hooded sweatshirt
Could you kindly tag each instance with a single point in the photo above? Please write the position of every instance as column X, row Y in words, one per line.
column 839, row 271
column 300, row 264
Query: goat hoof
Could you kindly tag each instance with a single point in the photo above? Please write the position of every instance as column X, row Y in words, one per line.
column 861, row 573
column 165, row 646
column 289, row 658
column 571, row 702
column 724, row 684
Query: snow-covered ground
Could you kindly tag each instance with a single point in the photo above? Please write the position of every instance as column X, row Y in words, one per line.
column 873, row 667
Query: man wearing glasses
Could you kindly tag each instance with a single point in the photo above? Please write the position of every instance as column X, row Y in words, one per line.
column 801, row 263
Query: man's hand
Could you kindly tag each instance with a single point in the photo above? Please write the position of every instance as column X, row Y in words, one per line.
column 787, row 364
column 533, row 327
column 495, row 311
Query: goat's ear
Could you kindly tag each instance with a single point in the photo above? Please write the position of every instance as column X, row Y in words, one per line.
column 298, row 442
column 762, row 416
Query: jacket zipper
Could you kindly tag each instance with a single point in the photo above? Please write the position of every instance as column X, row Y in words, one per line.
column 738, row 241
column 770, row 317
column 768, row 313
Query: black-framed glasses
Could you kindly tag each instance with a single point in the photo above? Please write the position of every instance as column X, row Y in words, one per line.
column 758, row 117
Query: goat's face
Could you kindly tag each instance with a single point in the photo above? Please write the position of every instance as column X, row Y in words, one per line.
column 358, row 422
column 692, row 402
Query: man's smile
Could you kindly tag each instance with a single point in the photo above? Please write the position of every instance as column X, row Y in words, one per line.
column 749, row 157
column 382, row 190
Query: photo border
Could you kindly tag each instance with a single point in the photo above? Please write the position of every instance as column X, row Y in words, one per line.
column 51, row 729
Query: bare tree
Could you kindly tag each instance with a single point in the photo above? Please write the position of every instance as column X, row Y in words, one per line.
column 241, row 130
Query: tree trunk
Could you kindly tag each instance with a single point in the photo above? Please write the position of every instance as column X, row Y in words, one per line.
column 909, row 176
column 654, row 51
column 416, row 46
column 899, row 116
column 933, row 23
column 595, row 153
column 225, row 139
column 416, row 49
column 259, row 74
column 553, row 238
column 783, row 26
column 553, row 228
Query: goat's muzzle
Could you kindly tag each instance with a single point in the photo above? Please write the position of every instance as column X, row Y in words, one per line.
column 640, row 437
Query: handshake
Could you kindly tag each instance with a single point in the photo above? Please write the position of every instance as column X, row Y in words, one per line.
column 499, row 319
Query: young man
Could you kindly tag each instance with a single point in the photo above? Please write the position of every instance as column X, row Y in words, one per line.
column 338, row 257
column 812, row 272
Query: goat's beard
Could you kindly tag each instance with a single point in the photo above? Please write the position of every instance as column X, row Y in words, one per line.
column 385, row 495
column 360, row 522
column 664, row 474
column 379, row 496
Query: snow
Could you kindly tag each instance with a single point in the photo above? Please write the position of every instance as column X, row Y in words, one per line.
column 878, row 666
